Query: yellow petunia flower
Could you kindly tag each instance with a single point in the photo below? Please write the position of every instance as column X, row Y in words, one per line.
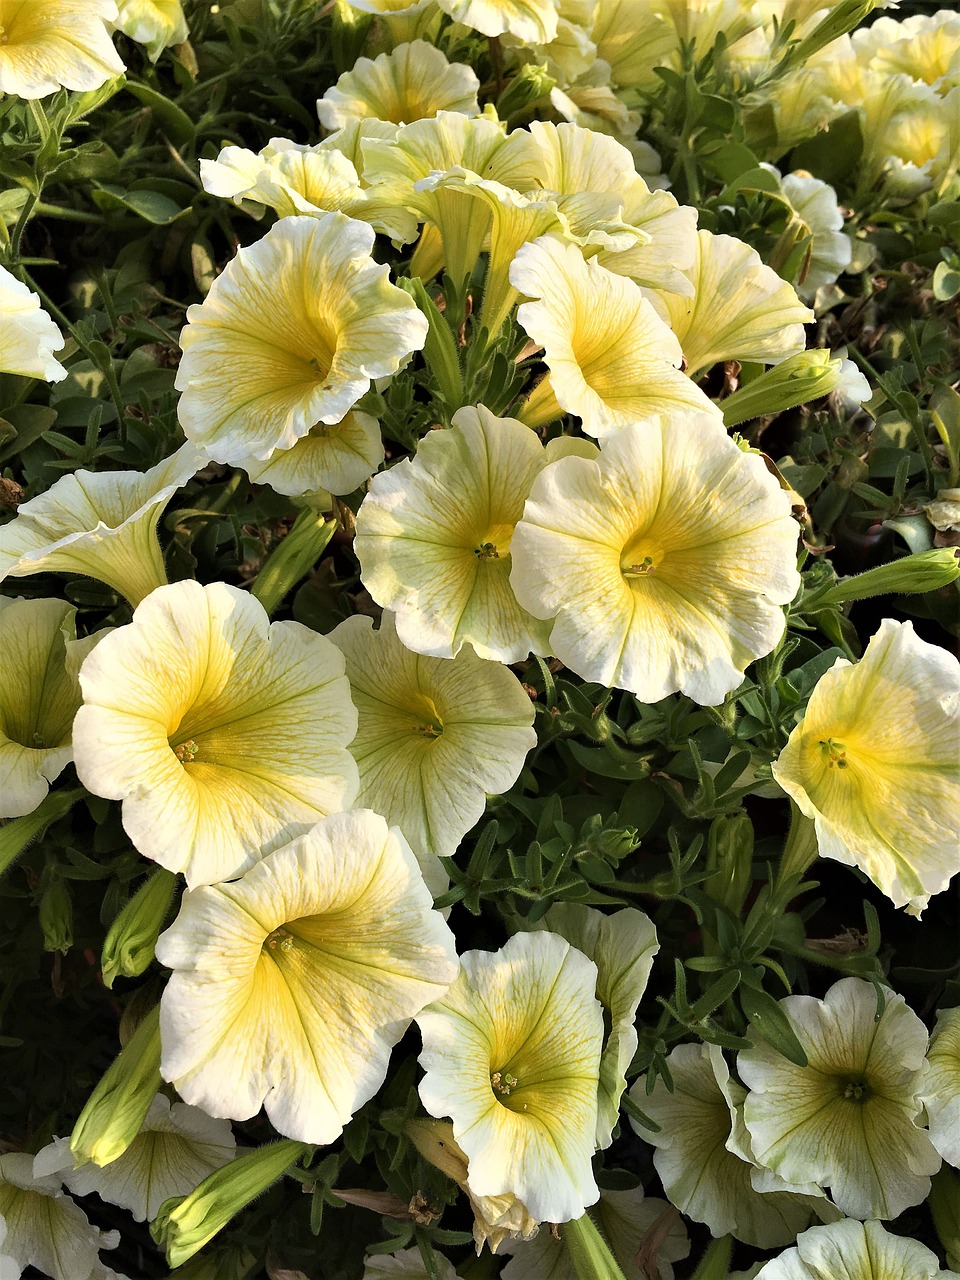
column 512, row 1055
column 434, row 539
column 336, row 458
column 666, row 561
column 436, row 736
column 925, row 47
column 532, row 21
column 223, row 734
column 410, row 83
column 39, row 696
column 875, row 762
column 611, row 358
column 741, row 309
column 28, row 336
column 157, row 24
column 632, row 38
column 291, row 335
column 51, row 44
column 99, row 523
column 291, row 985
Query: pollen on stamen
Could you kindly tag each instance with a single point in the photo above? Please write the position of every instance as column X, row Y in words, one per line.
column 503, row 1082
column 186, row 751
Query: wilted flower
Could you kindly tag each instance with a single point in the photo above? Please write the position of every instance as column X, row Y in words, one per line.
column 411, row 82
column 44, row 1228
column 622, row 946
column 53, row 44
column 849, row 1119
column 28, row 336
column 434, row 538
column 940, row 1087
column 530, row 21
column 512, row 1054
column 158, row 24
column 611, row 358
column 336, row 457
column 99, row 523
column 632, row 1226
column 176, row 1148
column 290, row 335
column 436, row 736
column 855, row 1251
column 671, row 525
column 706, row 1169
column 875, row 763
column 39, row 696
column 291, row 985
column 223, row 734
column 741, row 310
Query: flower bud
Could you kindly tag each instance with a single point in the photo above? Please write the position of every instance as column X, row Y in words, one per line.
column 588, row 1252
column 56, row 914
column 293, row 558
column 184, row 1224
column 809, row 375
column 729, row 855
column 130, row 942
column 116, row 1109
column 910, row 575
column 528, row 86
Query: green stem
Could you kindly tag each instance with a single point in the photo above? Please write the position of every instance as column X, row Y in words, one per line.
column 25, row 214
column 70, row 215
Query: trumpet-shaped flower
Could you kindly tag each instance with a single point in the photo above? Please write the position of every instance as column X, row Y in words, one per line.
column 410, row 83
column 849, row 1119
column 99, row 523
column 851, row 1250
column 512, row 1055
column 28, row 336
column 223, row 734
column 631, row 1224
column 53, row 44
column 44, row 1228
column 531, row 21
column 294, row 179
column 875, row 762
column 291, row 335
column 622, row 946
column 815, row 203
column 158, row 24
column 337, row 458
column 611, row 358
column 705, row 1170
column 39, row 696
column 741, row 309
column 666, row 561
column 434, row 539
column 291, row 985
column 940, row 1090
column 632, row 38
column 436, row 736
column 176, row 1148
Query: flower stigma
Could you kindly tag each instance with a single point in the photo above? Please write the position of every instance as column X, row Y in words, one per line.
column 503, row 1082
column 186, row 752
column 835, row 752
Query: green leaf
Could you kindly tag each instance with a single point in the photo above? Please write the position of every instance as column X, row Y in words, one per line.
column 772, row 1024
column 149, row 205
column 946, row 282
column 170, row 118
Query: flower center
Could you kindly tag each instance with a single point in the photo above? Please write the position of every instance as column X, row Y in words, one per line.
column 856, row 1090
column 428, row 722
column 280, row 937
column 834, row 752
column 486, row 551
column 640, row 558
column 503, row 1082
column 186, row 751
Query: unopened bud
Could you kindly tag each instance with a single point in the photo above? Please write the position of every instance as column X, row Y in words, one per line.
column 588, row 1252
column 528, row 86
column 116, row 1109
column 184, row 1224
column 729, row 858
column 56, row 914
column 132, row 938
column 910, row 575
column 809, row 375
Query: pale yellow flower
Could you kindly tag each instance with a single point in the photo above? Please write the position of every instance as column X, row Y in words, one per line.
column 741, row 309
column 925, row 47
column 632, row 38
column 99, row 523
column 850, row 1119
column 290, row 335
column 336, row 458
column 875, row 762
column 407, row 1263
column 223, row 734
column 940, row 1087
column 532, row 21
column 851, row 1250
column 434, row 538
column 611, row 358
column 53, row 44
column 436, row 736
column 512, row 1055
column 666, row 561
column 291, row 985
column 815, row 203
column 39, row 696
column 158, row 24
column 28, row 336
column 410, row 83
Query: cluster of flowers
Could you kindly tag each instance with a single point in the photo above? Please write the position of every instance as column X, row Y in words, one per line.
column 308, row 786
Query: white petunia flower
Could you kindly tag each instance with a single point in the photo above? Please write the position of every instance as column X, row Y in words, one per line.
column 855, row 1251
column 940, row 1087
column 158, row 24
column 815, row 203
column 291, row 985
column 336, row 458
column 28, row 336
column 531, row 21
